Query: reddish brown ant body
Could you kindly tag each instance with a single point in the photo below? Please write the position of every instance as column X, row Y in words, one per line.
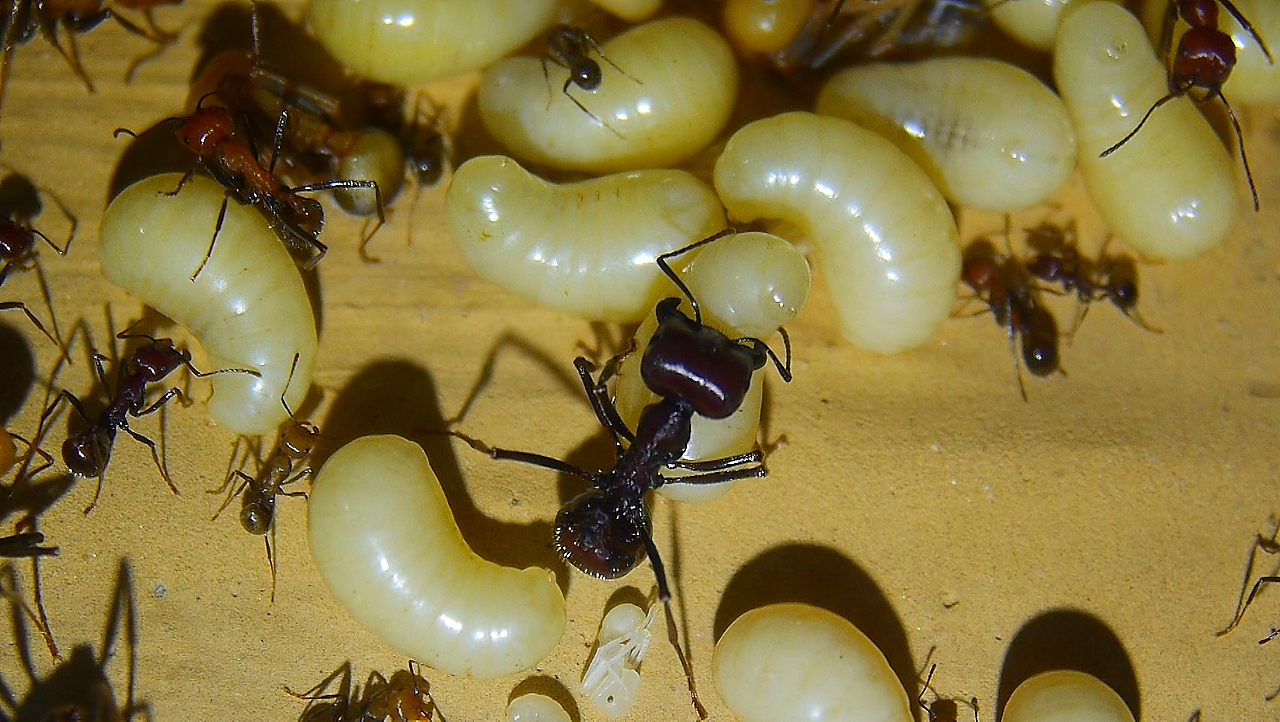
column 403, row 698
column 1204, row 61
column 88, row 452
column 18, row 239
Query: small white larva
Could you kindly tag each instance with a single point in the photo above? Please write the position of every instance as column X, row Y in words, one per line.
column 534, row 707
column 612, row 679
column 1254, row 79
column 672, row 96
column 585, row 248
column 798, row 662
column 1169, row 192
column 1032, row 22
column 885, row 239
column 407, row 42
column 990, row 134
column 1065, row 696
column 248, row 307
column 747, row 285
column 386, row 544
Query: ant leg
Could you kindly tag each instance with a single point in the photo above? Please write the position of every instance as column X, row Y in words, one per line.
column 1244, row 23
column 48, row 302
column 523, row 457
column 718, row 477
column 596, row 47
column 1244, row 159
column 37, row 593
column 278, row 140
column 155, row 456
column 751, row 457
column 49, row 29
column 271, row 560
column 760, row 347
column 26, row 545
column 664, row 595
column 32, row 450
column 666, row 268
column 925, row 688
column 159, row 38
column 15, row 305
column 598, row 395
column 217, row 228
column 1270, row 546
column 202, row 374
column 377, row 197
column 247, row 480
column 186, row 177
column 583, row 108
column 1176, row 94
column 18, row 602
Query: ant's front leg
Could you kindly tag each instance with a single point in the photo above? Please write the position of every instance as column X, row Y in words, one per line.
column 598, row 395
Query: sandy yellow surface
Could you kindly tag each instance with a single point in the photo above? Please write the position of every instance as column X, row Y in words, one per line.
column 1104, row 524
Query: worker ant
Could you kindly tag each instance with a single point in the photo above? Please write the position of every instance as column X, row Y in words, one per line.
column 403, row 698
column 1204, row 60
column 1270, row 545
column 943, row 709
column 285, row 465
column 19, row 206
column 570, row 48
column 88, row 452
column 1058, row 260
column 1003, row 283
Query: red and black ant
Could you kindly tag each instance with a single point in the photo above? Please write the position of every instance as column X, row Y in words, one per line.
column 1204, row 61
column 696, row 369
column 1058, row 260
column 403, row 698
column 285, row 465
column 88, row 452
column 20, row 199
column 1003, row 283
column 571, row 48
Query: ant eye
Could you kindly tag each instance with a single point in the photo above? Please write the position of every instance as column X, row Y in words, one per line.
column 599, row 535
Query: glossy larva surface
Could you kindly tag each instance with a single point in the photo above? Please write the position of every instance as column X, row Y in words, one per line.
column 1032, row 22
column 747, row 285
column 585, row 248
column 248, row 307
column 534, row 707
column 885, row 240
column 385, row 542
column 377, row 157
column 633, row 11
column 1065, row 696
column 764, row 26
column 688, row 80
column 798, row 662
column 990, row 134
column 1170, row 192
column 416, row 41
column 1254, row 80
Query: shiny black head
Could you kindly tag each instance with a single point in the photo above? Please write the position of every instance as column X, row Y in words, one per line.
column 158, row 360
column 602, row 534
column 698, row 363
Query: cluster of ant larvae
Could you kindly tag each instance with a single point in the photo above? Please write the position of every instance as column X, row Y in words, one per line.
column 247, row 305
column 747, row 285
column 990, row 134
column 885, row 239
column 1170, row 191
column 386, row 544
column 534, row 707
column 764, row 26
column 612, row 679
column 1033, row 23
column 1254, row 79
column 633, row 11
column 407, row 42
column 1065, row 696
column 795, row 661
column 666, row 91
column 586, row 248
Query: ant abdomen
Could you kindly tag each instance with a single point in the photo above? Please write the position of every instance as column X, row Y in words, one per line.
column 256, row 517
column 599, row 535
column 87, row 454
column 1205, row 58
column 1039, row 340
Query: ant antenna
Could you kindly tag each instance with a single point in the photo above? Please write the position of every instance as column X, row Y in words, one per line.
column 1142, row 122
column 666, row 268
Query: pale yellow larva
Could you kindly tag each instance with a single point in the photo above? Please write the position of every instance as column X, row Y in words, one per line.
column 1032, row 22
column 1170, row 191
column 633, row 11
column 534, row 707
column 990, row 134
column 587, row 248
column 798, row 662
column 886, row 242
column 386, row 544
column 247, row 307
column 668, row 97
column 764, row 26
column 1065, row 696
column 407, row 42
column 747, row 285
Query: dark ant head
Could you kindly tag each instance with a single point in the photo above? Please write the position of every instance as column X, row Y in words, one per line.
column 981, row 265
column 299, row 438
column 257, row 512
column 16, row 242
column 586, row 74
column 207, row 128
column 1204, row 60
column 87, row 453
column 1039, row 340
column 602, row 534
column 158, row 360
column 698, row 363
column 1047, row 267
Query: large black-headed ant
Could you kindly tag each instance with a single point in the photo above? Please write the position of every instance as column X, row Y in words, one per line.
column 571, row 48
column 87, row 453
column 403, row 698
column 1204, row 60
column 285, row 465
column 19, row 206
column 695, row 369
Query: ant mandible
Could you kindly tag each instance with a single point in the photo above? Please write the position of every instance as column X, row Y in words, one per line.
column 570, row 48
column 1204, row 61
column 88, row 452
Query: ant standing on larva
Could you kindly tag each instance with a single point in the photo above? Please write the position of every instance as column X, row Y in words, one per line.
column 570, row 48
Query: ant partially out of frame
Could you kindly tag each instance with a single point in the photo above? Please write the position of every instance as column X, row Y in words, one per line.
column 571, row 48
column 943, row 709
column 695, row 369
column 1204, row 61
column 1270, row 545
column 87, row 453
column 403, row 698
column 19, row 206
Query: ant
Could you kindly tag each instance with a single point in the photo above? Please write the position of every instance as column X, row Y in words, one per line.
column 943, row 710
column 571, row 48
column 285, row 465
column 1058, row 260
column 88, row 453
column 1271, row 546
column 1005, row 285
column 695, row 369
column 1204, row 61
column 19, row 205
column 403, row 698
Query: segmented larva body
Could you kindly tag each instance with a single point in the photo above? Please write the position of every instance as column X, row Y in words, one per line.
column 587, row 248
column 534, row 707
column 764, row 26
column 682, row 86
column 747, row 285
column 885, row 239
column 1169, row 192
column 247, row 307
column 1254, row 79
column 794, row 661
column 407, row 42
column 989, row 134
column 386, row 544
column 1065, row 696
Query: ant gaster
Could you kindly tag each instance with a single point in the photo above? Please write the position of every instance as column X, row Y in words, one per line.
column 88, row 452
column 18, row 242
column 571, row 48
column 606, row 530
column 1204, row 60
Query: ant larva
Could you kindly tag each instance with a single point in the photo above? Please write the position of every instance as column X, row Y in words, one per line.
column 88, row 452
column 571, row 48
column 285, row 465
column 403, row 698
column 1204, row 60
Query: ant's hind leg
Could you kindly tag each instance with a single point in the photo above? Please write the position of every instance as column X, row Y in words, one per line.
column 18, row 305
column 217, row 228
column 155, row 456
